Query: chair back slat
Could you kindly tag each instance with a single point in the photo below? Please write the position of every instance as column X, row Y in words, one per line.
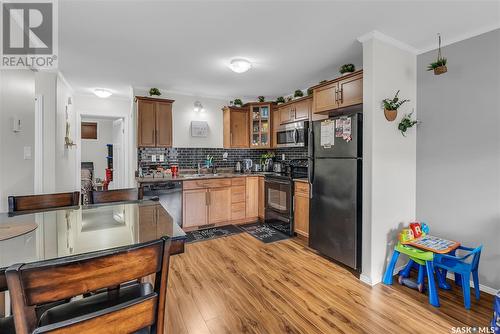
column 116, row 195
column 122, row 319
column 56, row 281
column 40, row 202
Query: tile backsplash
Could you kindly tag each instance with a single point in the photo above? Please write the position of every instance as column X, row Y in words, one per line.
column 190, row 157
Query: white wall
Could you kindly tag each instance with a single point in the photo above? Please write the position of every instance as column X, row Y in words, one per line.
column 183, row 114
column 388, row 157
column 17, row 98
column 458, row 149
column 66, row 179
column 96, row 150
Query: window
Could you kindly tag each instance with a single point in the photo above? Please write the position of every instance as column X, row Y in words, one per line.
column 89, row 130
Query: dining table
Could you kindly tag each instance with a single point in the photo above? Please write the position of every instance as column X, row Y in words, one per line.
column 50, row 234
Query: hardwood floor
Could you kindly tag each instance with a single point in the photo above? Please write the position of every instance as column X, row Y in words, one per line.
column 239, row 285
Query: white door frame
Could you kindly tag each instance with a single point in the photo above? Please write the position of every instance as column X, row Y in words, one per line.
column 38, row 161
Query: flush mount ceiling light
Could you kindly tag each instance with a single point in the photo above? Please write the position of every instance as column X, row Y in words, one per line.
column 198, row 107
column 240, row 65
column 103, row 93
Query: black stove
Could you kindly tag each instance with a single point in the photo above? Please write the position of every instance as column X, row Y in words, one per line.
column 279, row 195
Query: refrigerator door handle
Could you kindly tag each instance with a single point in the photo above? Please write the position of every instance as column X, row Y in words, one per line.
column 310, row 170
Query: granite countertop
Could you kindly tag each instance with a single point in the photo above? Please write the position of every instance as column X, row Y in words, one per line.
column 186, row 177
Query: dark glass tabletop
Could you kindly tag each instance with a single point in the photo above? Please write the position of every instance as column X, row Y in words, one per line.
column 77, row 230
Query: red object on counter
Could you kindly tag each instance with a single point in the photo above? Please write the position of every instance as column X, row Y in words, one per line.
column 175, row 170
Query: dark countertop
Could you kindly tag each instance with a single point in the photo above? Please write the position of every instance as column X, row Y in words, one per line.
column 304, row 180
column 186, row 177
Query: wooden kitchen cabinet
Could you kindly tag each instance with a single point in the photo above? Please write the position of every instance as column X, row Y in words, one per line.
column 219, row 205
column 236, row 127
column 339, row 93
column 154, row 122
column 301, row 208
column 295, row 111
column 252, row 197
column 261, row 198
column 194, row 208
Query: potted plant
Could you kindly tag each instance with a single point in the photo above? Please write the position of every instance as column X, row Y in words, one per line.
column 238, row 102
column 154, row 92
column 261, row 98
column 280, row 100
column 309, row 91
column 298, row 93
column 406, row 123
column 391, row 107
column 289, row 98
column 346, row 69
column 439, row 66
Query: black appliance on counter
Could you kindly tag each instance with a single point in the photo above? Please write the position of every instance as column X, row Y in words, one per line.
column 336, row 191
column 278, row 193
column 169, row 194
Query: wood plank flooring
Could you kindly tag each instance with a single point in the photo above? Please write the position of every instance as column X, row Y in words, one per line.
column 238, row 284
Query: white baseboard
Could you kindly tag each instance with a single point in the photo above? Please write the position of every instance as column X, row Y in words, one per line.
column 367, row 279
column 482, row 287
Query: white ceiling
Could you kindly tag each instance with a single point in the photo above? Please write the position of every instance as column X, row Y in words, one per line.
column 185, row 46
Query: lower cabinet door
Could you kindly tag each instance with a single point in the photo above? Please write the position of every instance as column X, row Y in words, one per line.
column 219, row 205
column 252, row 197
column 195, row 207
column 301, row 215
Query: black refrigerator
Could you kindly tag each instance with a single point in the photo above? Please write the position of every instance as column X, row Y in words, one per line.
column 336, row 190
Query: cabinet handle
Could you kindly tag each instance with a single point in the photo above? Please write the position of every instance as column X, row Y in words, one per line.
column 336, row 95
column 231, row 138
column 341, row 95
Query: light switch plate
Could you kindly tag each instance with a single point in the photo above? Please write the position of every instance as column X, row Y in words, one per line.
column 153, row 158
column 162, row 157
column 27, row 152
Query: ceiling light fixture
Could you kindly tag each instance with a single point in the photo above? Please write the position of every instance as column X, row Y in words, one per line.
column 198, row 107
column 102, row 93
column 240, row 65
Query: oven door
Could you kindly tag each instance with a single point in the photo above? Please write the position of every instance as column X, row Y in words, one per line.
column 292, row 135
column 278, row 204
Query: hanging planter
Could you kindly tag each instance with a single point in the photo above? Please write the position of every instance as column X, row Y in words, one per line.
column 406, row 123
column 391, row 107
column 439, row 66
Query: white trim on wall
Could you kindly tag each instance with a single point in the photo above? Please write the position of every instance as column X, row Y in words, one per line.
column 39, row 152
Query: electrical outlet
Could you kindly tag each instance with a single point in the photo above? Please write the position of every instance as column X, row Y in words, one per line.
column 153, row 158
column 162, row 157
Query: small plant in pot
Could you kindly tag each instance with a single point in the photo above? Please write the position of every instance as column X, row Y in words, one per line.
column 406, row 123
column 298, row 93
column 289, row 98
column 391, row 107
column 238, row 102
column 154, row 92
column 280, row 100
column 439, row 66
column 346, row 69
column 309, row 91
column 261, row 98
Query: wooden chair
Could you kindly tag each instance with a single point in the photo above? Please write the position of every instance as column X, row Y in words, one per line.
column 116, row 195
column 123, row 308
column 41, row 202
column 6, row 323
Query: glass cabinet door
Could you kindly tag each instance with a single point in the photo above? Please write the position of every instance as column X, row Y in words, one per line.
column 260, row 125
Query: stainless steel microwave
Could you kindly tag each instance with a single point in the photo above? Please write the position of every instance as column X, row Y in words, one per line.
column 293, row 134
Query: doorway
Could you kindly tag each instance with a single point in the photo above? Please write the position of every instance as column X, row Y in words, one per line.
column 102, row 153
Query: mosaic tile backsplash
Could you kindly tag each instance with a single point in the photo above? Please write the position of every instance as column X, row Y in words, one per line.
column 187, row 158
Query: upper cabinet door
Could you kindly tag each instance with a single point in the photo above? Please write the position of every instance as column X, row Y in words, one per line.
column 239, row 137
column 350, row 91
column 325, row 98
column 285, row 113
column 146, row 121
column 302, row 110
column 163, row 124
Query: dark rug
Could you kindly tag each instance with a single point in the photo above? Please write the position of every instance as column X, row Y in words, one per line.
column 263, row 232
column 212, row 233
